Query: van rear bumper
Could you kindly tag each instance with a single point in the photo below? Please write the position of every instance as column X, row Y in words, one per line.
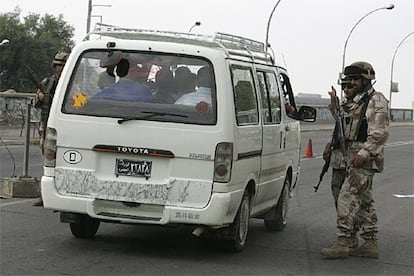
column 216, row 213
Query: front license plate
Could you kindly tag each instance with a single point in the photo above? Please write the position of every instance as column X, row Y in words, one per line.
column 133, row 168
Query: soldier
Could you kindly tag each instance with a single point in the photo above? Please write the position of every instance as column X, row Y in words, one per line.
column 366, row 131
column 44, row 97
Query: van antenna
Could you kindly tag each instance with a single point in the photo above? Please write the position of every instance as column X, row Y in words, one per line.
column 272, row 56
column 268, row 26
column 284, row 61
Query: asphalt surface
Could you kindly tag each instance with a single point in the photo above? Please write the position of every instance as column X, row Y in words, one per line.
column 34, row 242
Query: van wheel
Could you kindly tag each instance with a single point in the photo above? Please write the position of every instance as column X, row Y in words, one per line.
column 276, row 219
column 86, row 228
column 240, row 227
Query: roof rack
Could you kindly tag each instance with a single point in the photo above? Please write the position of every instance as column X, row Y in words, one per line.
column 239, row 43
column 225, row 41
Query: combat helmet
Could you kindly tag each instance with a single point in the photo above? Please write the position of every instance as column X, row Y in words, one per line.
column 360, row 68
column 60, row 58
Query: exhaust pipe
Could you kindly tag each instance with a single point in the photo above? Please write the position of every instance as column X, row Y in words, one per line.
column 198, row 231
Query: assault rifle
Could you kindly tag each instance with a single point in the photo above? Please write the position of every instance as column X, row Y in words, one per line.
column 324, row 169
column 338, row 135
column 340, row 119
column 33, row 77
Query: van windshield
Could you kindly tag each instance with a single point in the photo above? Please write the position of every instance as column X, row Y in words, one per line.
column 130, row 85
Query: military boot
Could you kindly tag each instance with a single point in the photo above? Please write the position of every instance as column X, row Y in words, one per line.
column 339, row 249
column 369, row 250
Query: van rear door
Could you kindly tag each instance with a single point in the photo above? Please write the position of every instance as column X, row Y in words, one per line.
column 131, row 145
column 248, row 132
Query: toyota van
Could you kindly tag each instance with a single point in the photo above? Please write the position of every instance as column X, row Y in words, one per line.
column 153, row 127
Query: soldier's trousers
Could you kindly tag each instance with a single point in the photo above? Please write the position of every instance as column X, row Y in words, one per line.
column 338, row 178
column 356, row 205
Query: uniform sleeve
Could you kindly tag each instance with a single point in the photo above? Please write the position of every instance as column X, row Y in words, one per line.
column 378, row 126
column 333, row 108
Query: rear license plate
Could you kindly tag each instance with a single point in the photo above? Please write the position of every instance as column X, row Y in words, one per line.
column 133, row 168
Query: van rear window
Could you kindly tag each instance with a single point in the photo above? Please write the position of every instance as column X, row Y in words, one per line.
column 142, row 85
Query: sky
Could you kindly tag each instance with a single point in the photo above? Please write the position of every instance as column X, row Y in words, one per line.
column 308, row 36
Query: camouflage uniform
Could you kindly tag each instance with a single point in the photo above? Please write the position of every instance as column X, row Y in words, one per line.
column 366, row 131
column 49, row 85
column 338, row 173
column 355, row 202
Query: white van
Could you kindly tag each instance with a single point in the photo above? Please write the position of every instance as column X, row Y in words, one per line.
column 150, row 127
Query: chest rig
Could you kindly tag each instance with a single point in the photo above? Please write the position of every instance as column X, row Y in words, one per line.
column 356, row 125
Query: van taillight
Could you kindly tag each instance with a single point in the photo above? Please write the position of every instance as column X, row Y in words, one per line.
column 49, row 152
column 223, row 161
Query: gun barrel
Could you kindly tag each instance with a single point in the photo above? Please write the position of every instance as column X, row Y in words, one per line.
column 322, row 174
column 34, row 78
column 317, row 185
column 341, row 131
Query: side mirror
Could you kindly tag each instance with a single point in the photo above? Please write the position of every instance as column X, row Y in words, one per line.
column 306, row 114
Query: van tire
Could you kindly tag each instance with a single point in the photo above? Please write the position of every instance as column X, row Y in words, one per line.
column 86, row 228
column 276, row 219
column 240, row 227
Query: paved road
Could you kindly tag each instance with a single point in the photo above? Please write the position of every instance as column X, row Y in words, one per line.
column 33, row 242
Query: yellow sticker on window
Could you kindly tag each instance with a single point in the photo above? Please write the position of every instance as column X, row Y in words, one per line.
column 79, row 100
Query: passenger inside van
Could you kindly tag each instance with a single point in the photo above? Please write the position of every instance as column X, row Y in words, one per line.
column 125, row 89
column 203, row 92
column 165, row 87
column 185, row 81
column 106, row 79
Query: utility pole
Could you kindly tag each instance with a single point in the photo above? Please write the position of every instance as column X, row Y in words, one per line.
column 89, row 16
column 88, row 20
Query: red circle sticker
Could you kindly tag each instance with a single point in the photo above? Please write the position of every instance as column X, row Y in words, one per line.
column 202, row 107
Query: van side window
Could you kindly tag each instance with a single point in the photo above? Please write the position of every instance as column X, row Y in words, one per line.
column 290, row 104
column 270, row 97
column 245, row 99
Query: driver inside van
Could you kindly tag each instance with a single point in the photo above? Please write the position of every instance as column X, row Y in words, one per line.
column 125, row 89
column 203, row 92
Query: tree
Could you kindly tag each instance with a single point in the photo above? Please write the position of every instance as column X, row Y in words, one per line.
column 33, row 41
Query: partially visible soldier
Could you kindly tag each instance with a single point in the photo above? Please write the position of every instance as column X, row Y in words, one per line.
column 333, row 153
column 333, row 149
column 44, row 97
column 366, row 131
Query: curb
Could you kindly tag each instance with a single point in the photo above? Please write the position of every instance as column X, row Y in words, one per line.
column 20, row 187
column 20, row 142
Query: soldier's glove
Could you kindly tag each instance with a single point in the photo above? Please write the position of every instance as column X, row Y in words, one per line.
column 327, row 151
column 357, row 161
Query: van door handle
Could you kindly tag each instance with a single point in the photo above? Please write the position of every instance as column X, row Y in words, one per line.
column 287, row 128
column 281, row 140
